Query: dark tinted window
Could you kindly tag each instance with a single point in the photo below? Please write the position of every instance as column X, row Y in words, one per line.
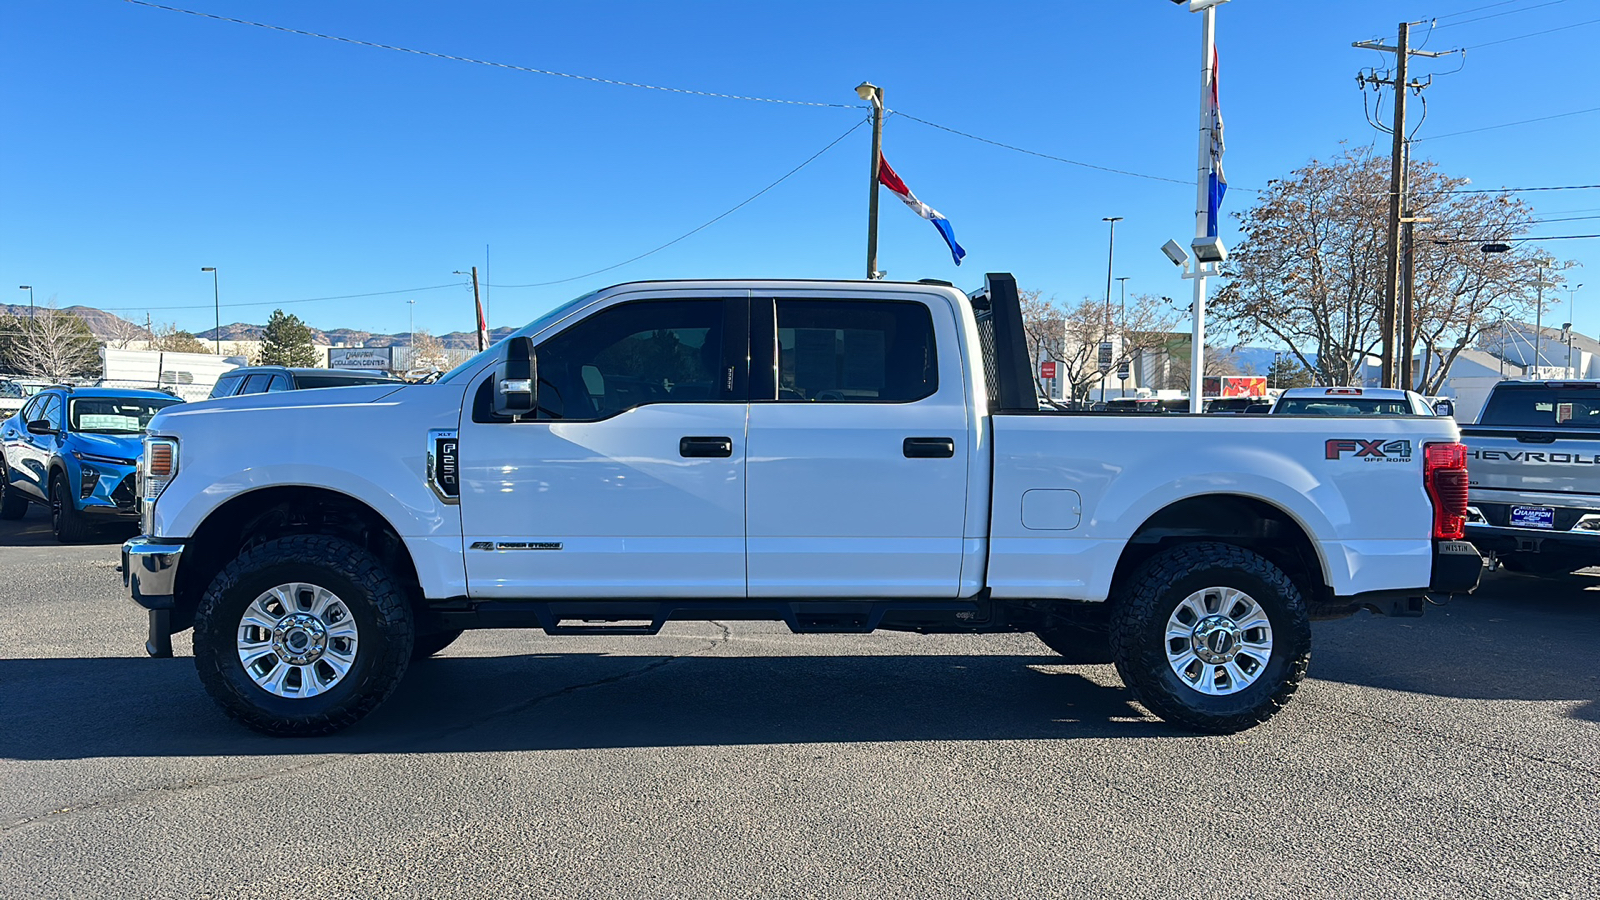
column 1343, row 406
column 257, row 383
column 226, row 385
column 337, row 379
column 855, row 351
column 655, row 351
column 279, row 383
column 1541, row 406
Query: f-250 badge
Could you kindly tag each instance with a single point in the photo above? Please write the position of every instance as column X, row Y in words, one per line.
column 1369, row 451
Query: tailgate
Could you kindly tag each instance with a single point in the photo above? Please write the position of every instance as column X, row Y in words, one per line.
column 1504, row 459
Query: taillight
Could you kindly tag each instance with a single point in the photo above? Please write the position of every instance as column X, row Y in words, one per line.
column 1444, row 474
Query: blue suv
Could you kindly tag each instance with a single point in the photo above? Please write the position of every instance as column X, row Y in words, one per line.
column 75, row 450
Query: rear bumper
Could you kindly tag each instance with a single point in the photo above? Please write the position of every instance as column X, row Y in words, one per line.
column 1457, row 566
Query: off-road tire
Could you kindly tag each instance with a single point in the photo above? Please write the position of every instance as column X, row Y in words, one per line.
column 376, row 602
column 69, row 525
column 13, row 503
column 1077, row 645
column 426, row 645
column 1139, row 618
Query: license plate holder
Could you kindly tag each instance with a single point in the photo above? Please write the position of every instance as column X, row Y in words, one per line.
column 1543, row 517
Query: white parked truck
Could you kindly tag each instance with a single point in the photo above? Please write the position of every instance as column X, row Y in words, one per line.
column 841, row 456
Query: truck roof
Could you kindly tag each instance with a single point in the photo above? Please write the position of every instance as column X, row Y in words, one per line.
column 1374, row 393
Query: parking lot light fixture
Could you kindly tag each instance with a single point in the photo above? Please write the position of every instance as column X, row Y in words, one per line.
column 216, row 299
column 29, row 289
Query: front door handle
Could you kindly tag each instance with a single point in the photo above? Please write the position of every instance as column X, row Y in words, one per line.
column 705, row 446
column 929, row 448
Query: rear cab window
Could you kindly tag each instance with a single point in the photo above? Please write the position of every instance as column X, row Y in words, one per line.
column 1543, row 406
column 225, row 386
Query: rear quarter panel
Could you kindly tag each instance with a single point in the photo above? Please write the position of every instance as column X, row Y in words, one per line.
column 1367, row 515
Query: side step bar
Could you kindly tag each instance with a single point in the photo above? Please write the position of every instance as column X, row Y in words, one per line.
column 576, row 617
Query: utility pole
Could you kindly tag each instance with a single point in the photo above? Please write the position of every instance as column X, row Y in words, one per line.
column 1397, row 186
column 476, row 305
column 1571, row 292
column 866, row 90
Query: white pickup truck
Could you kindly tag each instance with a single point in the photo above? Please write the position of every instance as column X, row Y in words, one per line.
column 840, row 456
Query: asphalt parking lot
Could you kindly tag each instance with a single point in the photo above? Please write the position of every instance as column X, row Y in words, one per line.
column 1455, row 755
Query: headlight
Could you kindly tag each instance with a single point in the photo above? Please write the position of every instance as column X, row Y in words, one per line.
column 96, row 458
column 158, row 466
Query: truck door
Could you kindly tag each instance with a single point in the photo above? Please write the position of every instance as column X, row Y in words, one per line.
column 859, row 439
column 629, row 482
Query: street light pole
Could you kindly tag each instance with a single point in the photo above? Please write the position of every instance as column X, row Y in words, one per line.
column 1571, row 292
column 216, row 299
column 29, row 289
column 1123, row 343
column 868, row 91
column 1111, row 251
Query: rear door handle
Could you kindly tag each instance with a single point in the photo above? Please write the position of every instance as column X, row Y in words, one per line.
column 705, row 446
column 929, row 448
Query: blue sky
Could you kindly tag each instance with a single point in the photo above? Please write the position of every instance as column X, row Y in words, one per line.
column 139, row 144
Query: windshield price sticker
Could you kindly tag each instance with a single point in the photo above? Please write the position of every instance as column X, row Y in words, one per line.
column 1533, row 517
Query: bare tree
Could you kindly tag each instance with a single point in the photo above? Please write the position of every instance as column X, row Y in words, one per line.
column 1071, row 336
column 172, row 339
column 49, row 344
column 119, row 333
column 1310, row 272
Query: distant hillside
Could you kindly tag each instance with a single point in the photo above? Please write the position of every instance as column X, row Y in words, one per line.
column 106, row 326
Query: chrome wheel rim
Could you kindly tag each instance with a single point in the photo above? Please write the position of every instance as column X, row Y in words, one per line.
column 297, row 640
column 1219, row 640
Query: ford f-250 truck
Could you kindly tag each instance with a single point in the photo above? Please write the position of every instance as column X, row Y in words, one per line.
column 840, row 456
column 1535, row 488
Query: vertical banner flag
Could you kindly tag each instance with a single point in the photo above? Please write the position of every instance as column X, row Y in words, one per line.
column 1218, row 184
column 888, row 178
column 483, row 327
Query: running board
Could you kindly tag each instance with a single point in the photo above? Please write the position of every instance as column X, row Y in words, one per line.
column 644, row 617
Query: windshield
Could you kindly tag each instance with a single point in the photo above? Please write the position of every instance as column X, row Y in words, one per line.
column 1343, row 406
column 115, row 415
column 482, row 356
column 1541, row 406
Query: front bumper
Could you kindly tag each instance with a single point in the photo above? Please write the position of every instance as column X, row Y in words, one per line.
column 150, row 570
column 113, row 493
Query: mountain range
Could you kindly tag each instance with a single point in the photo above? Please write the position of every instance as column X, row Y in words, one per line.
column 111, row 327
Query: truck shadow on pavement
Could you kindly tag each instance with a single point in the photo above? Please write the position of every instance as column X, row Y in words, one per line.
column 1516, row 638
column 33, row 530
column 117, row 707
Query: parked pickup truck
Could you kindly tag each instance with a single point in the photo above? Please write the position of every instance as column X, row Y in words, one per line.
column 1535, row 486
column 839, row 456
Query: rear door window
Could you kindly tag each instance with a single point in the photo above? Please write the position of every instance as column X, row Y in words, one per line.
column 836, row 351
column 257, row 383
column 226, row 385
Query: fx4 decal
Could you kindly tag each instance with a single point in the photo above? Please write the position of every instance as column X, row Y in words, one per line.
column 1368, row 451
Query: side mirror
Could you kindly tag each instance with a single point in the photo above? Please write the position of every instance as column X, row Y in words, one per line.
column 516, row 381
column 40, row 426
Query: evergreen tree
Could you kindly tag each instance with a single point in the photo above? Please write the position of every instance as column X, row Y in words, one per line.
column 286, row 341
column 1287, row 372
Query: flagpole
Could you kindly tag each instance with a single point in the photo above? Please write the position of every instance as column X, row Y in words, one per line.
column 869, row 91
column 1208, row 31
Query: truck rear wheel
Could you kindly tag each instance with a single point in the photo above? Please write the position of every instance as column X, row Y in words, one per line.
column 1211, row 637
column 302, row 635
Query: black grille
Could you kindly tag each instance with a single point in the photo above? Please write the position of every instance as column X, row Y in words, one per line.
column 124, row 496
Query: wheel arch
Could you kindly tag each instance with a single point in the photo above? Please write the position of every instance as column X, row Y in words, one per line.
column 1256, row 524
column 261, row 515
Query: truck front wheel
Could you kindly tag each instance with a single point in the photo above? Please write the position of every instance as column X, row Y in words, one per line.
column 303, row 635
column 1211, row 637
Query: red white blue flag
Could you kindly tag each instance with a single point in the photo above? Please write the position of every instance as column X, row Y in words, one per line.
column 1218, row 183
column 888, row 178
column 483, row 326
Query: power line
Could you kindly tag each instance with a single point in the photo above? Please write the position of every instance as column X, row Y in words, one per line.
column 1533, row 34
column 1509, row 12
column 1061, row 159
column 1576, row 112
column 1476, row 9
column 1516, row 190
column 700, row 227
column 485, row 62
column 288, row 302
